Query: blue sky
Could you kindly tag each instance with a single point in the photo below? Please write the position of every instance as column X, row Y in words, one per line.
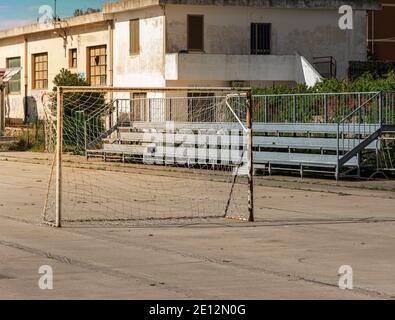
column 19, row 12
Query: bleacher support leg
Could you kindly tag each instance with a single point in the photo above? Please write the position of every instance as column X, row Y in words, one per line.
column 359, row 165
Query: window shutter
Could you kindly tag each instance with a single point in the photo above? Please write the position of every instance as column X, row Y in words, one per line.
column 134, row 36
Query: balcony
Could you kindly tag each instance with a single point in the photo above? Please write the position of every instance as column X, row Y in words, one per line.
column 223, row 67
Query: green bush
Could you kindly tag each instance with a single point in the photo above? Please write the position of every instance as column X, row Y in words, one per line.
column 365, row 83
column 78, row 108
column 67, row 78
column 376, row 67
column 315, row 108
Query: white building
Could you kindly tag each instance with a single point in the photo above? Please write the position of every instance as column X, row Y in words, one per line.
column 149, row 43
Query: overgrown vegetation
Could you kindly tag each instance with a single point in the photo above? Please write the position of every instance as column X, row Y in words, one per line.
column 365, row 83
column 82, row 12
column 318, row 108
column 379, row 68
column 29, row 138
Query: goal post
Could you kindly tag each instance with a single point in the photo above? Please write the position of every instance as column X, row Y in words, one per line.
column 58, row 156
column 202, row 136
column 250, row 157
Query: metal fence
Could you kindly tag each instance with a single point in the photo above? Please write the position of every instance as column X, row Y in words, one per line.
column 363, row 125
column 356, row 114
column 387, row 115
column 179, row 109
column 311, row 108
column 282, row 108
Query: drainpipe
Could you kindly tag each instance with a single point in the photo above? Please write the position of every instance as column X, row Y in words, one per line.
column 2, row 110
column 373, row 30
column 25, row 67
column 164, row 44
column 110, row 65
column 111, row 53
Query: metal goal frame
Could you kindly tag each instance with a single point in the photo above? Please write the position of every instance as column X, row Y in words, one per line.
column 60, row 91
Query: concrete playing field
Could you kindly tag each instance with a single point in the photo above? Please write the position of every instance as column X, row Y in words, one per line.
column 305, row 231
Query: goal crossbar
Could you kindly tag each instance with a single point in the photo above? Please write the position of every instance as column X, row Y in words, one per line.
column 244, row 90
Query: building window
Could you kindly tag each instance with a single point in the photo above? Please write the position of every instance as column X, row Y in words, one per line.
column 198, row 110
column 195, row 33
column 40, row 71
column 260, row 38
column 73, row 58
column 140, row 109
column 134, row 46
column 14, row 85
column 97, row 65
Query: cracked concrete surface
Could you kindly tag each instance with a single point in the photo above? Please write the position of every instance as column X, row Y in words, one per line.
column 294, row 251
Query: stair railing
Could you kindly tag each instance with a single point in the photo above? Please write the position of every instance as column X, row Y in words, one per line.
column 388, row 112
column 94, row 126
column 363, row 121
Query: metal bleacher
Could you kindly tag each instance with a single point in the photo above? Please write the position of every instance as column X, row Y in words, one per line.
column 303, row 147
column 6, row 141
column 321, row 133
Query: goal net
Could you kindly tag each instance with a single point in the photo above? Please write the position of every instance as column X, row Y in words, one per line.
column 149, row 155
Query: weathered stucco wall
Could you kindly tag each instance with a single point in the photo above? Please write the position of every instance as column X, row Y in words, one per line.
column 163, row 32
column 219, row 67
column 312, row 32
column 58, row 58
column 145, row 69
column 58, row 55
column 133, row 4
column 357, row 4
column 11, row 48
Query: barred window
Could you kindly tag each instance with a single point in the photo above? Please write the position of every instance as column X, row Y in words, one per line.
column 260, row 38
